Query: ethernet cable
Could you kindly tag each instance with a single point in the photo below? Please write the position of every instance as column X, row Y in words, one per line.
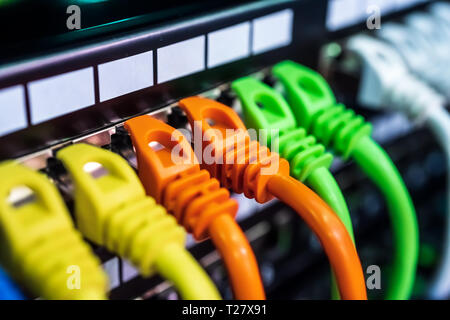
column 39, row 244
column 8, row 291
column 348, row 135
column 392, row 86
column 112, row 210
column 434, row 31
column 195, row 199
column 418, row 51
column 264, row 109
column 247, row 167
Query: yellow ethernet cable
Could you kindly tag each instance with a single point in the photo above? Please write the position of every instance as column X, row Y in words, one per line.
column 39, row 244
column 112, row 210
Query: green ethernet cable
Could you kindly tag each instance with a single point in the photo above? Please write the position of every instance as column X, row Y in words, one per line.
column 267, row 111
column 348, row 135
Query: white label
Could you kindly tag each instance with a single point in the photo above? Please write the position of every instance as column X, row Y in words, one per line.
column 181, row 59
column 59, row 95
column 343, row 13
column 229, row 44
column 12, row 109
column 272, row 31
column 126, row 75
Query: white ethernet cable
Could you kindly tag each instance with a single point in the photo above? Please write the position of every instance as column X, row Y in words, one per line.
column 420, row 54
column 436, row 31
column 387, row 83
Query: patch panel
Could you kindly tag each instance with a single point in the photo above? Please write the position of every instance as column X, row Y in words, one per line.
column 105, row 134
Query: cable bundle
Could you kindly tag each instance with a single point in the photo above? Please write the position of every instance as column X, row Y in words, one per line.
column 315, row 109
